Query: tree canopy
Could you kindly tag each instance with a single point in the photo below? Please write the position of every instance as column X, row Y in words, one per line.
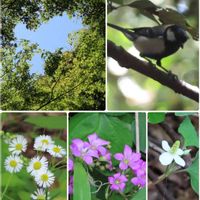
column 72, row 80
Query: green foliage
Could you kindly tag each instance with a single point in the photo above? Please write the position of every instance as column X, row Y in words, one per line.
column 142, row 129
column 81, row 183
column 189, row 133
column 184, row 113
column 49, row 122
column 72, row 80
column 107, row 127
column 140, row 195
column 193, row 170
column 155, row 118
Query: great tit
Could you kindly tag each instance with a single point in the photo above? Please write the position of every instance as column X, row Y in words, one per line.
column 155, row 42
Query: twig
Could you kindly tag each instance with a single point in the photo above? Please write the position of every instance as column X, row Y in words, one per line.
column 61, row 95
column 130, row 62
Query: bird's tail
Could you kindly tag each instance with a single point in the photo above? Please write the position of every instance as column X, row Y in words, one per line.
column 129, row 34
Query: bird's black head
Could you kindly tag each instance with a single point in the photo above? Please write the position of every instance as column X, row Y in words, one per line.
column 176, row 34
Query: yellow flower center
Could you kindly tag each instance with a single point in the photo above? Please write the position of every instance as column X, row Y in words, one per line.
column 13, row 163
column 45, row 141
column 117, row 181
column 18, row 147
column 56, row 149
column 44, row 177
column 40, row 197
column 37, row 165
column 126, row 161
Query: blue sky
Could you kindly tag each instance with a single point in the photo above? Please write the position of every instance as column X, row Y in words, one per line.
column 49, row 36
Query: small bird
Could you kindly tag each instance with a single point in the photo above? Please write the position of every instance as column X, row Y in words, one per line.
column 155, row 42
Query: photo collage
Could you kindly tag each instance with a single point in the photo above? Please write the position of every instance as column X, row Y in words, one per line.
column 99, row 100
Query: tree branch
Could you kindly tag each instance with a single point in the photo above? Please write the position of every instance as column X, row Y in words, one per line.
column 61, row 95
column 130, row 62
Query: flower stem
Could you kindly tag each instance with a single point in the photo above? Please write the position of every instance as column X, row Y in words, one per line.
column 9, row 179
column 46, row 195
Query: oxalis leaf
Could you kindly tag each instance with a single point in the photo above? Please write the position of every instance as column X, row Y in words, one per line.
column 193, row 170
column 81, row 183
column 188, row 131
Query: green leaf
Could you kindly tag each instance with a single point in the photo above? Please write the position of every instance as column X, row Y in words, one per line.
column 189, row 133
column 107, row 127
column 142, row 128
column 140, row 195
column 81, row 183
column 155, row 118
column 184, row 113
column 50, row 122
column 193, row 170
column 83, row 124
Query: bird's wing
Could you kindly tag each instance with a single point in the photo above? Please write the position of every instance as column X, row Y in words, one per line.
column 150, row 32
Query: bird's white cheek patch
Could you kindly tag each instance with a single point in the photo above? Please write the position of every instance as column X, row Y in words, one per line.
column 170, row 35
column 149, row 45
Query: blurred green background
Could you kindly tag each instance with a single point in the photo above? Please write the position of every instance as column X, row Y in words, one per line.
column 127, row 89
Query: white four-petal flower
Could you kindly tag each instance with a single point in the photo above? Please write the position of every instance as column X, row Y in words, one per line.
column 173, row 153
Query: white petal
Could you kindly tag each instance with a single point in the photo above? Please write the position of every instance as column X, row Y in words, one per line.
column 179, row 160
column 179, row 152
column 166, row 158
column 165, row 145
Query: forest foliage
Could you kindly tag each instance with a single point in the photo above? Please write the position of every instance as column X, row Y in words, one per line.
column 72, row 80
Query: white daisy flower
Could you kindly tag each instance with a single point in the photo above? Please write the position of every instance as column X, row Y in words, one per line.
column 56, row 151
column 173, row 153
column 36, row 164
column 42, row 142
column 40, row 194
column 44, row 178
column 18, row 145
column 13, row 164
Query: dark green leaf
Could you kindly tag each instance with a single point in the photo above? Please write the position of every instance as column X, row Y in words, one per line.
column 155, row 118
column 189, row 133
column 193, row 170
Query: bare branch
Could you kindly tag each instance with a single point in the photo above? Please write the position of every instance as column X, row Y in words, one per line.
column 168, row 79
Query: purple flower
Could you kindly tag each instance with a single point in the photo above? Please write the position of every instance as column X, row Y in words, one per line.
column 117, row 182
column 141, row 175
column 71, row 164
column 71, row 183
column 128, row 159
column 140, row 181
column 81, row 149
column 97, row 143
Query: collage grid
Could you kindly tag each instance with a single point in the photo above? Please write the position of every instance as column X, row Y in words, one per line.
column 93, row 110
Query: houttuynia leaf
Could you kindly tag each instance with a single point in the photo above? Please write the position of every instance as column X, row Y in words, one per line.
column 193, row 170
column 81, row 183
